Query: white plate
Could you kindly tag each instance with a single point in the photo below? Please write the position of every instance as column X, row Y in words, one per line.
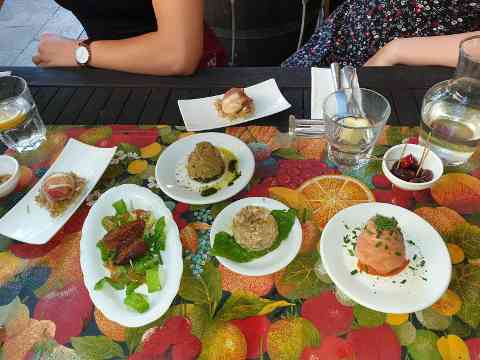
column 200, row 114
column 269, row 263
column 28, row 222
column 109, row 300
column 380, row 293
column 176, row 153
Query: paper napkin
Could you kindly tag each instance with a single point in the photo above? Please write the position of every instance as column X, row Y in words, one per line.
column 322, row 86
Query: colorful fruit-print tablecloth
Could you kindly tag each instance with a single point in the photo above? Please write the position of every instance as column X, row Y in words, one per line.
column 297, row 313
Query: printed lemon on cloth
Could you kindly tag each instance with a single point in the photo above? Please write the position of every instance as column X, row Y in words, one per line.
column 137, row 167
column 396, row 319
column 457, row 255
column 452, row 347
column 449, row 304
column 151, row 151
column 329, row 194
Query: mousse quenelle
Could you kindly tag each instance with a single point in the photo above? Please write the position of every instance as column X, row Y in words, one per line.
column 381, row 247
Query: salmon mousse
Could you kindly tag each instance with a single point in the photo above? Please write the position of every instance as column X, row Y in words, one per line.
column 381, row 247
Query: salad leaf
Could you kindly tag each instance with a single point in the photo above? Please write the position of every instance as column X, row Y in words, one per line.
column 137, row 302
column 156, row 240
column 104, row 252
column 120, row 207
column 109, row 223
column 140, row 266
column 226, row 246
column 153, row 280
column 285, row 221
column 118, row 285
column 132, row 286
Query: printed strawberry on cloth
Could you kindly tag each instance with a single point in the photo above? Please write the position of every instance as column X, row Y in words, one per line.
column 296, row 313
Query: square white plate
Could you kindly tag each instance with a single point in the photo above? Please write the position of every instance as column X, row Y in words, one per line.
column 200, row 114
column 28, row 222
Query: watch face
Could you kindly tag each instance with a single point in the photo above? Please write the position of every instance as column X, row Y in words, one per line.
column 82, row 55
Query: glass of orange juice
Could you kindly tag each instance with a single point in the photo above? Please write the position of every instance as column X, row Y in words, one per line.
column 21, row 127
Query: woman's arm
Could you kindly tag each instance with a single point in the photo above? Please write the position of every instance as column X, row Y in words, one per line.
column 174, row 49
column 432, row 50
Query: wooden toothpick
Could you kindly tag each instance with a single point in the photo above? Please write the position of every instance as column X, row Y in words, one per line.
column 401, row 155
column 425, row 153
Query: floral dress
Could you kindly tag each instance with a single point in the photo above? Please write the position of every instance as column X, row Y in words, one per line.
column 358, row 28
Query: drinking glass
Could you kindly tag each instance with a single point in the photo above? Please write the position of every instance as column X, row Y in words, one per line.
column 21, row 127
column 451, row 109
column 353, row 120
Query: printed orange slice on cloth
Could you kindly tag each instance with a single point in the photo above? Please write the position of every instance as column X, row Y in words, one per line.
column 328, row 194
column 292, row 198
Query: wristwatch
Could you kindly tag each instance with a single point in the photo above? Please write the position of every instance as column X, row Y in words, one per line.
column 83, row 54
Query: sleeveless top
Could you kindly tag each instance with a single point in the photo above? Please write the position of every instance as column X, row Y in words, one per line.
column 358, row 28
column 120, row 19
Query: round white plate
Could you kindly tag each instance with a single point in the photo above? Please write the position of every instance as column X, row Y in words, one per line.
column 405, row 292
column 271, row 262
column 169, row 159
column 108, row 300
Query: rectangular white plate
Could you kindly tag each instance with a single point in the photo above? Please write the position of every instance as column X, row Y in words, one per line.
column 28, row 222
column 200, row 114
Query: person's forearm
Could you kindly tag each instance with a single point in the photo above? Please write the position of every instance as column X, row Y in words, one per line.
column 433, row 50
column 148, row 54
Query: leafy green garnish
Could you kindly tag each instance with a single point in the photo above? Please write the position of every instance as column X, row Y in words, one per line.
column 120, row 207
column 153, row 280
column 132, row 286
column 140, row 266
column 106, row 254
column 226, row 246
column 285, row 221
column 383, row 223
column 109, row 223
column 140, row 271
column 137, row 302
column 209, row 191
column 118, row 285
column 156, row 240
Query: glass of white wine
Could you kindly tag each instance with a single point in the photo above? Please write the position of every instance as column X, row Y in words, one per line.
column 21, row 127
